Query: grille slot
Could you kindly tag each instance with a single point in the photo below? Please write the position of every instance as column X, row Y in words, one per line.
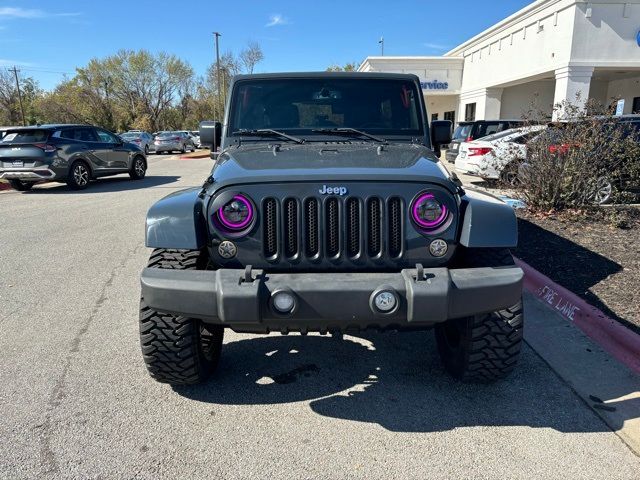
column 311, row 227
column 374, row 224
column 332, row 227
column 352, row 222
column 270, row 231
column 395, row 227
column 291, row 227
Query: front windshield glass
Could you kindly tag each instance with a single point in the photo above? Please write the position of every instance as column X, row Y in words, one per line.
column 130, row 136
column 299, row 106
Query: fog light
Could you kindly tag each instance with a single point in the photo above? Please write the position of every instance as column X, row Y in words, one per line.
column 438, row 247
column 385, row 301
column 283, row 302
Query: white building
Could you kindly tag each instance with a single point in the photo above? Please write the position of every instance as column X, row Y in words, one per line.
column 541, row 55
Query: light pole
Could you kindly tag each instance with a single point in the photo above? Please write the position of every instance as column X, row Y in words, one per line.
column 217, row 35
column 15, row 74
column 381, row 42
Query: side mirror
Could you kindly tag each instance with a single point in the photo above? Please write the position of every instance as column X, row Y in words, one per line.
column 441, row 132
column 210, row 134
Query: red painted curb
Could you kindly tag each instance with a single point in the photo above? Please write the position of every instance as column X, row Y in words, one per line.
column 5, row 186
column 617, row 340
column 202, row 155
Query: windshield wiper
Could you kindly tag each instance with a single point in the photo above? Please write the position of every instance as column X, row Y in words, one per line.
column 267, row 132
column 349, row 130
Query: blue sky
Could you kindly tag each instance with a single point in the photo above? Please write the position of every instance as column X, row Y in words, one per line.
column 49, row 38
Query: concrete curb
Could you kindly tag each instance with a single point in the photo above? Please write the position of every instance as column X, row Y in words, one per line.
column 614, row 338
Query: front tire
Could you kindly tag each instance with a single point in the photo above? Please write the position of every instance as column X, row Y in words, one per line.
column 178, row 350
column 482, row 348
column 20, row 185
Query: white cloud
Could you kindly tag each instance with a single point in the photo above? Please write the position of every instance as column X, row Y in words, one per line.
column 436, row 46
column 277, row 19
column 10, row 63
column 17, row 12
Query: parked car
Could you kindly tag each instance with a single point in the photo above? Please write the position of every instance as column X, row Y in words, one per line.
column 173, row 141
column 144, row 140
column 74, row 154
column 497, row 156
column 195, row 134
column 617, row 176
column 468, row 131
column 330, row 213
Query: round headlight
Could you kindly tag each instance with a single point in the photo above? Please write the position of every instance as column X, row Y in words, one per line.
column 236, row 214
column 427, row 212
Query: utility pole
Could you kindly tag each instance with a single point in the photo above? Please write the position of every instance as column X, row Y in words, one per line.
column 217, row 35
column 381, row 42
column 15, row 74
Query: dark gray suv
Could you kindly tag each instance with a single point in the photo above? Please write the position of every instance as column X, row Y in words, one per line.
column 74, row 154
column 327, row 211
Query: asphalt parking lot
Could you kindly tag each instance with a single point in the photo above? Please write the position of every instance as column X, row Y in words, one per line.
column 77, row 402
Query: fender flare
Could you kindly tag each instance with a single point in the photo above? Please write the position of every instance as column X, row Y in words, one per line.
column 177, row 221
column 487, row 222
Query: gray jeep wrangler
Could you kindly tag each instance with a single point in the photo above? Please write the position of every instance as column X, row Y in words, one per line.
column 327, row 211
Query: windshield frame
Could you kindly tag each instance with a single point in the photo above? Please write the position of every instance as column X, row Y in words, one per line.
column 419, row 135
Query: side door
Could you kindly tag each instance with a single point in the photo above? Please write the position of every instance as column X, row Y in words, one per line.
column 87, row 145
column 118, row 152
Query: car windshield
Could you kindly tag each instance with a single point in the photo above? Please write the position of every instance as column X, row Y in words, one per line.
column 26, row 136
column 499, row 135
column 462, row 132
column 167, row 134
column 383, row 107
column 128, row 136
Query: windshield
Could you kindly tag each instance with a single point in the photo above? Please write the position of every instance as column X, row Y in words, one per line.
column 128, row 136
column 168, row 134
column 462, row 132
column 26, row 136
column 504, row 133
column 299, row 106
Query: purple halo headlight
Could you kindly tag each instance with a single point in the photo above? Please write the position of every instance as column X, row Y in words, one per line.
column 427, row 212
column 236, row 214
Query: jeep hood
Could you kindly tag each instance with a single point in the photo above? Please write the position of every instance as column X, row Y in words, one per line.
column 329, row 162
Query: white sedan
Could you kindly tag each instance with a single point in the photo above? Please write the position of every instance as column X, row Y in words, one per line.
column 489, row 157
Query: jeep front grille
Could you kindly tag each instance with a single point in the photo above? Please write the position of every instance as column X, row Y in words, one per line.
column 333, row 228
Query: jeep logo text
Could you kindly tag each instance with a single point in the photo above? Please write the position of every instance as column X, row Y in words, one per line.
column 333, row 190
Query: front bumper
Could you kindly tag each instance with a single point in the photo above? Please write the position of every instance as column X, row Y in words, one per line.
column 28, row 174
column 329, row 301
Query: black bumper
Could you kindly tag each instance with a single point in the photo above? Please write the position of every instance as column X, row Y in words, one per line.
column 329, row 301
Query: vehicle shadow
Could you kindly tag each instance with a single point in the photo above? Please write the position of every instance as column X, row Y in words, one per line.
column 567, row 263
column 107, row 184
column 394, row 380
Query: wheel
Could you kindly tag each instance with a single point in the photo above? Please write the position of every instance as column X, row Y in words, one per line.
column 79, row 175
column 509, row 175
column 138, row 168
column 482, row 348
column 183, row 149
column 146, row 149
column 20, row 185
column 178, row 350
column 603, row 193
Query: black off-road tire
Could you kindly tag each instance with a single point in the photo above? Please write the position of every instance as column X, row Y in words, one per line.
column 20, row 185
column 178, row 350
column 482, row 348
